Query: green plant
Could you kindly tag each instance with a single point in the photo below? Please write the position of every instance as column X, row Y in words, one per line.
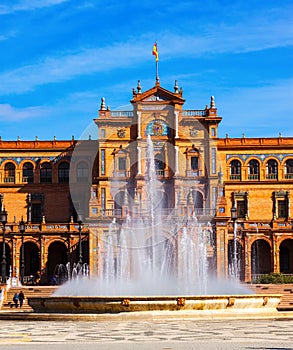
column 274, row 278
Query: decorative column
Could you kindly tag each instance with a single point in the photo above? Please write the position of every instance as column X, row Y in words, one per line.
column 139, row 125
column 29, row 208
column 247, row 258
column 138, row 160
column 247, row 205
column 176, row 160
column 275, row 254
column 176, row 124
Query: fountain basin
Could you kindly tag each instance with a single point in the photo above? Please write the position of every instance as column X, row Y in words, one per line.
column 224, row 304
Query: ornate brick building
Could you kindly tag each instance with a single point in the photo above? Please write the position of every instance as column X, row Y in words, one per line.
column 52, row 184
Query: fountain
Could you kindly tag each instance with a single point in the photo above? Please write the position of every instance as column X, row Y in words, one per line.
column 141, row 270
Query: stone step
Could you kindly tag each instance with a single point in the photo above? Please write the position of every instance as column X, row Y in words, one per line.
column 32, row 291
column 285, row 289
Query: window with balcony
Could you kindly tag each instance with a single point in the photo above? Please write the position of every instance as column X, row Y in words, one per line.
column 9, row 172
column 240, row 201
column 241, row 209
column 193, row 163
column 235, row 170
column 46, row 173
column 282, row 209
column 289, row 169
column 28, row 172
column 63, row 172
column 82, row 172
column 253, row 170
column 281, row 200
column 272, row 170
column 160, row 164
column 36, row 213
column 121, row 163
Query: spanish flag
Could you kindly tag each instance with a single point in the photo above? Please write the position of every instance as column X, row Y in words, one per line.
column 155, row 52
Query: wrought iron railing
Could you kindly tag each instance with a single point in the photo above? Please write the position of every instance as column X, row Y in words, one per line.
column 272, row 176
column 123, row 114
column 194, row 173
column 10, row 179
column 235, row 177
column 253, row 176
column 194, row 113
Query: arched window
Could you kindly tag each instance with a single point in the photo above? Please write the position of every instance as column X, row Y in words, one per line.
column 46, row 172
column 82, row 172
column 289, row 169
column 28, row 172
column 253, row 170
column 63, row 172
column 235, row 170
column 272, row 169
column 9, row 172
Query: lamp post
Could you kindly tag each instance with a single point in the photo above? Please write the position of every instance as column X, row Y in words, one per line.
column 22, row 230
column 79, row 221
column 3, row 220
column 234, row 260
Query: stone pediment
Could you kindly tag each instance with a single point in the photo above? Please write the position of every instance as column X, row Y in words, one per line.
column 158, row 94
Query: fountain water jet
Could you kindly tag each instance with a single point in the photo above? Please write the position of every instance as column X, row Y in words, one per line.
column 145, row 267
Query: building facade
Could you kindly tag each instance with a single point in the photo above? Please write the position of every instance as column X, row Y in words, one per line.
column 69, row 192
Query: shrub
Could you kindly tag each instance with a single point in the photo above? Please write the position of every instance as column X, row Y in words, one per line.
column 274, row 278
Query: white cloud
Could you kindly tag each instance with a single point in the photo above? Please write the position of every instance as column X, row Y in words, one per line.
column 257, row 33
column 29, row 5
column 9, row 113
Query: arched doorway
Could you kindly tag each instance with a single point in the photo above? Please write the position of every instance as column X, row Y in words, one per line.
column 121, row 198
column 286, row 256
column 260, row 258
column 197, row 201
column 57, row 254
column 31, row 259
column 239, row 258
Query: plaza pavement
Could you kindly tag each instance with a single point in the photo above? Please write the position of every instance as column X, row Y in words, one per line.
column 113, row 333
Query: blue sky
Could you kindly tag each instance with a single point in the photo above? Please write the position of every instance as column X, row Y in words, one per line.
column 59, row 57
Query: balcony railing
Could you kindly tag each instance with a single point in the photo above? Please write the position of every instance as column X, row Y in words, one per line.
column 122, row 114
column 111, row 212
column 162, row 173
column 272, row 176
column 28, row 179
column 194, row 113
column 194, row 173
column 121, row 173
column 10, row 179
column 163, row 212
column 253, row 176
column 288, row 176
column 235, row 177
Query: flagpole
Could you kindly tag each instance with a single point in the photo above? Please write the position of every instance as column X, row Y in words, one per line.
column 157, row 71
column 155, row 53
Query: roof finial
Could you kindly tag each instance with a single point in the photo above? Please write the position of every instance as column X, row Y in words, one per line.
column 103, row 104
column 176, row 88
column 138, row 87
column 213, row 104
